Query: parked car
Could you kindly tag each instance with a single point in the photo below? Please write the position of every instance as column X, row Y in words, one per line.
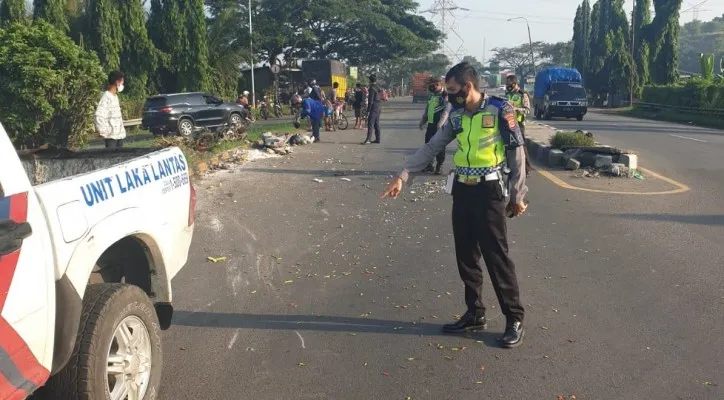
column 183, row 113
column 89, row 244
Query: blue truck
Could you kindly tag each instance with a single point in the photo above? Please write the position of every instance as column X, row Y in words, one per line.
column 559, row 92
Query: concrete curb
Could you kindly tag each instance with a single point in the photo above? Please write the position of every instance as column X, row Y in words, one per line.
column 543, row 154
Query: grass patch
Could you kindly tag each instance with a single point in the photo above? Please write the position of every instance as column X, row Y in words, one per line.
column 571, row 139
column 710, row 121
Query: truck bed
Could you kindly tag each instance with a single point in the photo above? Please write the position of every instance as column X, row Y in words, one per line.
column 48, row 165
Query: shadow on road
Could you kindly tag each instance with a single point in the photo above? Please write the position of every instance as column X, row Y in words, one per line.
column 633, row 126
column 319, row 323
column 710, row 220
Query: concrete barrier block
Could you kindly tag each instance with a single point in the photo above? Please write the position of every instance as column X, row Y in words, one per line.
column 602, row 161
column 573, row 164
column 543, row 152
column 555, row 158
column 629, row 160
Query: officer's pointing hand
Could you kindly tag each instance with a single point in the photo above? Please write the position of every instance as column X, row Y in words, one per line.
column 394, row 188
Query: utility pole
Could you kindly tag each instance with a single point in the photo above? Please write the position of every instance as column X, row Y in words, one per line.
column 633, row 61
column 530, row 42
column 251, row 50
column 447, row 23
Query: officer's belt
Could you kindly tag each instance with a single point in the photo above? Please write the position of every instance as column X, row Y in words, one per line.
column 474, row 180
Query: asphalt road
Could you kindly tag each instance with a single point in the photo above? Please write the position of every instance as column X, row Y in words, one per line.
column 327, row 292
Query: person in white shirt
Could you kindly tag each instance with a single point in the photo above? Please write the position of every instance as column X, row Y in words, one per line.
column 108, row 118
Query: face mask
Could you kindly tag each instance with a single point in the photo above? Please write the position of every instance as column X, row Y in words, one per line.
column 432, row 88
column 458, row 99
column 120, row 88
column 509, row 88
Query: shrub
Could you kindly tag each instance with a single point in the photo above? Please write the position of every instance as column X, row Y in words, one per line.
column 49, row 86
column 696, row 93
column 572, row 139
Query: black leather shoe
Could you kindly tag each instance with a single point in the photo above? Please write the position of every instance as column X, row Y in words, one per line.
column 513, row 336
column 429, row 168
column 467, row 323
column 438, row 169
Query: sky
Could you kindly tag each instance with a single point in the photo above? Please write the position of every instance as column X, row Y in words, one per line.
column 486, row 27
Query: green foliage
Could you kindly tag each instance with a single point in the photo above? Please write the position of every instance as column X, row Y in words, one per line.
column 395, row 70
column 571, row 139
column 52, row 11
column 167, row 29
column 138, row 56
column 12, row 11
column 104, row 33
column 698, row 37
column 611, row 66
column 663, row 35
column 697, row 93
column 194, row 59
column 225, row 53
column 707, row 66
column 48, row 86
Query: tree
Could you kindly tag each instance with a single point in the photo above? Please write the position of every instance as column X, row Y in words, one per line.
column 700, row 37
column 138, row 55
column 579, row 40
column 479, row 67
column 49, row 86
column 641, row 20
column 104, row 33
column 596, row 55
column 586, row 30
column 167, row 29
column 12, row 11
column 663, row 35
column 517, row 58
column 226, row 52
column 358, row 32
column 195, row 57
column 52, row 11
column 556, row 54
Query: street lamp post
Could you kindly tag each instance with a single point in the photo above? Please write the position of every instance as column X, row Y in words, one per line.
column 530, row 41
column 251, row 54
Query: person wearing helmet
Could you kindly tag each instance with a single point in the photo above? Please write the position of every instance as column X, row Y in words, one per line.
column 316, row 92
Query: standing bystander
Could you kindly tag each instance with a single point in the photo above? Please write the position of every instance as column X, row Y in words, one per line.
column 108, row 118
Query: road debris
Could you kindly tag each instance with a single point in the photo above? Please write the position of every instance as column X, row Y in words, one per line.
column 216, row 260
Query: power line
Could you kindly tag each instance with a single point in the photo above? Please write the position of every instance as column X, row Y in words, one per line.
column 444, row 17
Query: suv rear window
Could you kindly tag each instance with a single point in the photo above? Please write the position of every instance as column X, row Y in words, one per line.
column 155, row 102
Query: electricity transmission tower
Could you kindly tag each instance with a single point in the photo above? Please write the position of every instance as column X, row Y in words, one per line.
column 696, row 8
column 445, row 20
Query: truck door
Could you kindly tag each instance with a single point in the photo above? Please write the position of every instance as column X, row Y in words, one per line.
column 27, row 302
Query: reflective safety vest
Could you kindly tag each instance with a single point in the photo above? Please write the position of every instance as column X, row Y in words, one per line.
column 435, row 106
column 481, row 149
column 517, row 99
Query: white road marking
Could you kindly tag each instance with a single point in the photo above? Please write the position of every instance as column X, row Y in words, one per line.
column 233, row 339
column 301, row 338
column 686, row 137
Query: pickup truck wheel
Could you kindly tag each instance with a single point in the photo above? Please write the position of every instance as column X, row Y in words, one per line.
column 579, row 118
column 117, row 353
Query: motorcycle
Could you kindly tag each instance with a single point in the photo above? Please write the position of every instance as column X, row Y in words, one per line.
column 263, row 110
column 248, row 115
column 277, row 110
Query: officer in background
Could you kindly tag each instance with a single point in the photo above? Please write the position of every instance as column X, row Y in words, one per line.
column 521, row 102
column 374, row 110
column 434, row 118
column 487, row 135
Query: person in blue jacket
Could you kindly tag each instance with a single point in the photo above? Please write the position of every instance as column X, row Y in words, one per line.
column 315, row 111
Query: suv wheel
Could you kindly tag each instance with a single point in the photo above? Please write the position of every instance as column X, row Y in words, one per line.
column 235, row 119
column 117, row 351
column 185, row 127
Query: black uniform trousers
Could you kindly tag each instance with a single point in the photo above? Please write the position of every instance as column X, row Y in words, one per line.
column 373, row 123
column 479, row 228
column 429, row 133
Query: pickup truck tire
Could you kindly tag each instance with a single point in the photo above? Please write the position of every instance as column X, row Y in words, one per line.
column 579, row 118
column 99, row 355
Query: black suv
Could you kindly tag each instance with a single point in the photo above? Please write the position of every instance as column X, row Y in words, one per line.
column 184, row 112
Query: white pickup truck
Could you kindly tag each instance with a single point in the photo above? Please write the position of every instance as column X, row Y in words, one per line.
column 89, row 243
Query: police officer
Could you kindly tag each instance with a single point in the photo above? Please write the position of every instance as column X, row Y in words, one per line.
column 374, row 110
column 434, row 117
column 488, row 135
column 521, row 102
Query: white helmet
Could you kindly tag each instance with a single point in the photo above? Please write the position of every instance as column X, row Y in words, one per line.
column 246, row 92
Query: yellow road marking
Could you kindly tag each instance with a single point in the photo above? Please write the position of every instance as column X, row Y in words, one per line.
column 680, row 187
